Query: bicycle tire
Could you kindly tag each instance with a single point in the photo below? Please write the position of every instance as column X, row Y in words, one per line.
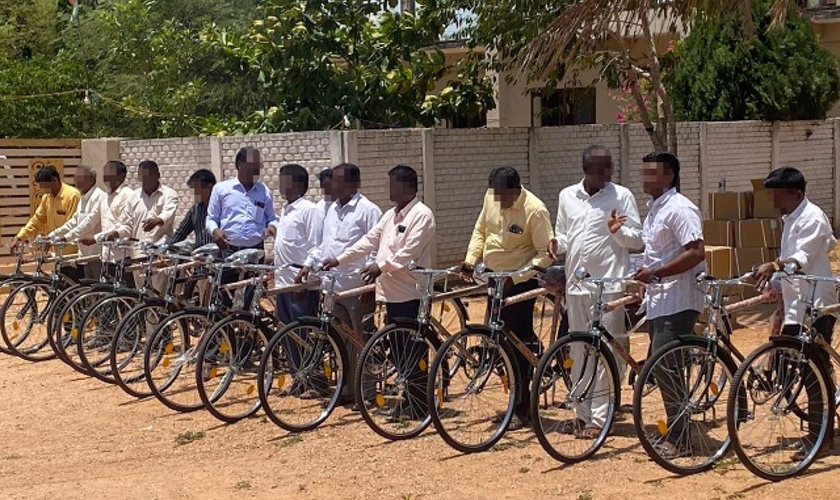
column 125, row 371
column 398, row 415
column 112, row 308
column 7, row 286
column 74, row 311
column 703, row 397
column 36, row 314
column 736, row 421
column 56, row 323
column 329, row 362
column 548, row 370
column 490, row 352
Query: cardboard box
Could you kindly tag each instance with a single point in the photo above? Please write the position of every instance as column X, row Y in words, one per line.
column 762, row 201
column 747, row 258
column 730, row 206
column 719, row 233
column 720, row 262
column 758, row 233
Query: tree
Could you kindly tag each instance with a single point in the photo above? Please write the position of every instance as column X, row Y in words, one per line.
column 597, row 34
column 782, row 74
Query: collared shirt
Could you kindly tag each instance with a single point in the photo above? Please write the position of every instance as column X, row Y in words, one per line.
column 163, row 203
column 86, row 221
column 807, row 237
column 243, row 215
column 299, row 231
column 672, row 223
column 115, row 217
column 584, row 236
column 194, row 222
column 398, row 238
column 343, row 227
column 507, row 240
column 323, row 207
column 52, row 212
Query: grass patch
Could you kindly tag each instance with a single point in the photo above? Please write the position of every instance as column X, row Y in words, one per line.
column 243, row 485
column 657, row 484
column 13, row 456
column 724, row 466
column 585, row 495
column 524, row 470
column 289, row 441
column 507, row 445
column 188, row 437
column 735, row 496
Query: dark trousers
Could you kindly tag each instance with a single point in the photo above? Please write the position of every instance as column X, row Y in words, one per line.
column 825, row 327
column 670, row 374
column 407, row 352
column 234, row 275
column 290, row 307
column 127, row 278
column 519, row 318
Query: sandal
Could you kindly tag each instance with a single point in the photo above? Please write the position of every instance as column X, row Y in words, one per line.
column 589, row 433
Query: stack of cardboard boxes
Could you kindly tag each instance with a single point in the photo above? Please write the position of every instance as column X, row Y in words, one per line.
column 744, row 230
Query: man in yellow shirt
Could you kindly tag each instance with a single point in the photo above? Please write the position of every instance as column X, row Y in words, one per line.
column 513, row 231
column 56, row 207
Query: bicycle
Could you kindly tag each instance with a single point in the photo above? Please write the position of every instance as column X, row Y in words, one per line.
column 30, row 304
column 790, row 392
column 304, row 364
column 169, row 358
column 575, row 371
column 133, row 331
column 73, row 303
column 487, row 377
column 691, row 377
column 391, row 370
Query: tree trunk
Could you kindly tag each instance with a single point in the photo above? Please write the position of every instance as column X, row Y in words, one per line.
column 667, row 123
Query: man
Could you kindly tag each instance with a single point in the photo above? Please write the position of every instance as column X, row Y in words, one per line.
column 513, row 230
column 325, row 180
column 299, row 230
column 807, row 240
column 57, row 206
column 114, row 215
column 674, row 255
column 349, row 218
column 597, row 226
column 151, row 213
column 201, row 182
column 405, row 233
column 241, row 210
column 87, row 220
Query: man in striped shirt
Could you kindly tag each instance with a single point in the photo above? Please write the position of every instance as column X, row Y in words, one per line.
column 201, row 182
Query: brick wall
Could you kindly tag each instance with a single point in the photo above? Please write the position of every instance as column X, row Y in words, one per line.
column 462, row 161
column 457, row 162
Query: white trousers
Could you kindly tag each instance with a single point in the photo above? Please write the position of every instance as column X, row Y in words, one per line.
column 593, row 409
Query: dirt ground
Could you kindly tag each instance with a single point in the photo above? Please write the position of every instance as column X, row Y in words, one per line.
column 70, row 437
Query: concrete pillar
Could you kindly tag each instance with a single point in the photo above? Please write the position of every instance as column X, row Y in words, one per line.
column 704, row 188
column 428, row 148
column 836, row 220
column 216, row 165
column 624, row 155
column 96, row 152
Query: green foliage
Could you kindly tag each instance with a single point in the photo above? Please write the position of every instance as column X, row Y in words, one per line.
column 781, row 74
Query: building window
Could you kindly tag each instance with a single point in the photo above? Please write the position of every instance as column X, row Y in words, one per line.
column 568, row 106
column 463, row 121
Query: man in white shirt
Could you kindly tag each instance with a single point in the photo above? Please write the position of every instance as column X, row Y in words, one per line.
column 325, row 181
column 87, row 220
column 807, row 239
column 151, row 213
column 597, row 226
column 674, row 255
column 114, row 214
column 350, row 218
column 405, row 233
column 299, row 231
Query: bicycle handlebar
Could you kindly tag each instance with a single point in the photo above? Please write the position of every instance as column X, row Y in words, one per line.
column 703, row 278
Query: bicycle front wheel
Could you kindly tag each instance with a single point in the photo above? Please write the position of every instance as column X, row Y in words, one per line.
column 129, row 344
column 24, row 322
column 227, row 366
column 99, row 327
column 472, row 408
column 70, row 324
column 574, row 405
column 786, row 411
column 304, row 372
column 679, row 405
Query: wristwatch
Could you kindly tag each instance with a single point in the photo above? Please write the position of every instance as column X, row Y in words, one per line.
column 655, row 279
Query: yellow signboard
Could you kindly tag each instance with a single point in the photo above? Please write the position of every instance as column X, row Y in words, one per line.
column 35, row 191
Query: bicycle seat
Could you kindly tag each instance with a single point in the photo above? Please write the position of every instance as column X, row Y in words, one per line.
column 208, row 250
column 245, row 257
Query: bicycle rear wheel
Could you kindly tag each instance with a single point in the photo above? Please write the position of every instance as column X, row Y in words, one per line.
column 59, row 330
column 24, row 321
column 781, row 382
column 129, row 344
column 391, row 379
column 169, row 359
column 304, row 372
column 472, row 409
column 227, row 367
column 70, row 325
column 7, row 287
column 574, row 405
column 681, row 422
column 97, row 332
